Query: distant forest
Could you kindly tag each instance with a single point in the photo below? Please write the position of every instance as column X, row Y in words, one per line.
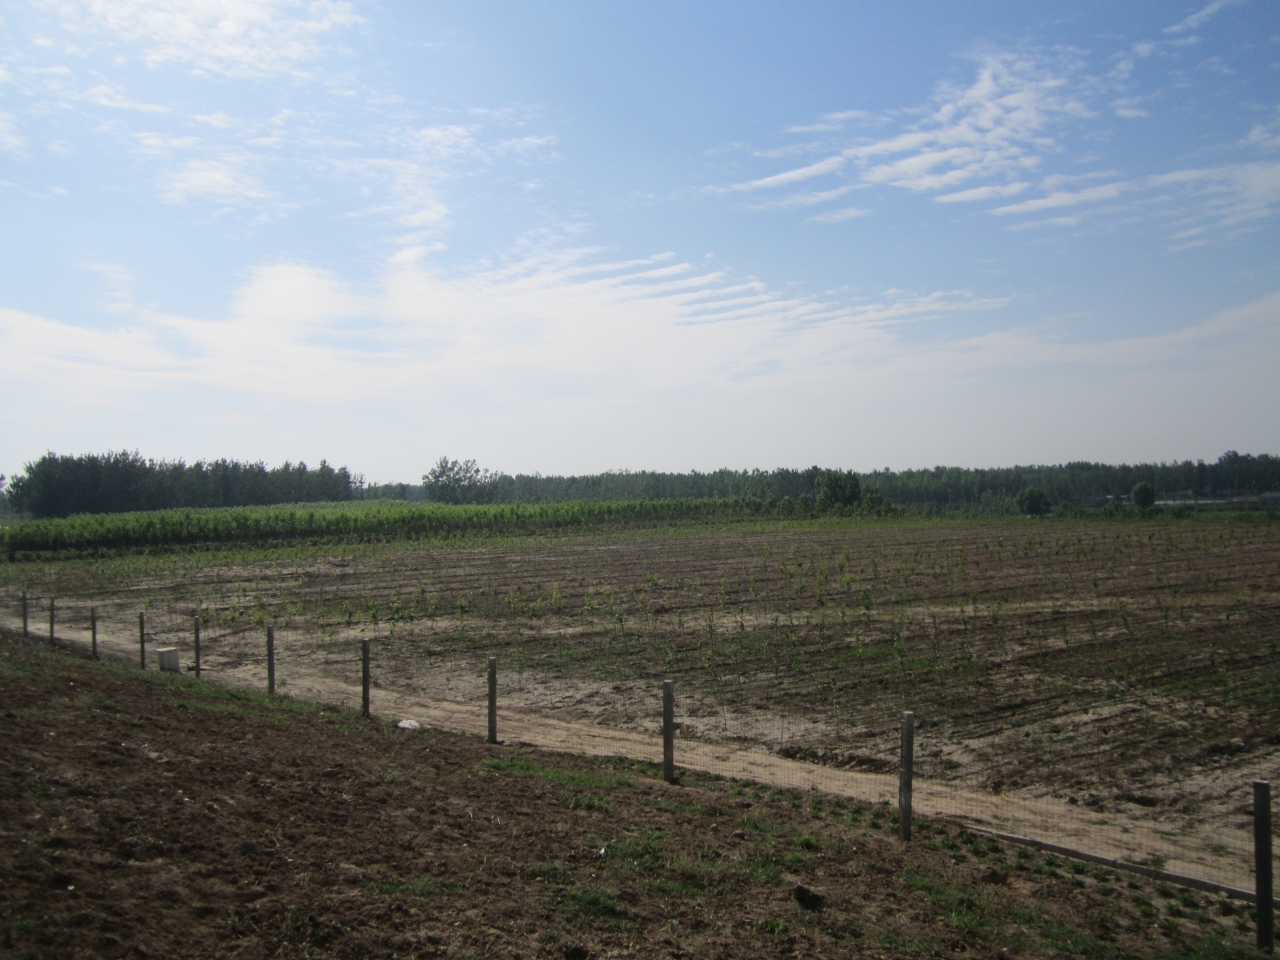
column 59, row 486
column 944, row 488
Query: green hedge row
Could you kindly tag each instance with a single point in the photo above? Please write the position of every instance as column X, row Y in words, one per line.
column 360, row 521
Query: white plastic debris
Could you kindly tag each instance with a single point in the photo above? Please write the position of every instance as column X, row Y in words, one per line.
column 409, row 725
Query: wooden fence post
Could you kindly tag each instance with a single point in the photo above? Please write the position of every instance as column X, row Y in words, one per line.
column 906, row 766
column 52, row 604
column 493, row 699
column 271, row 661
column 1264, row 907
column 669, row 731
column 142, row 639
column 364, row 677
column 25, row 632
column 197, row 632
column 93, row 629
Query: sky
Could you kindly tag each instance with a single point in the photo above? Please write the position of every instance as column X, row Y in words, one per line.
column 570, row 237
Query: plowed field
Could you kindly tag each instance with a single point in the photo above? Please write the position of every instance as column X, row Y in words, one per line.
column 1129, row 668
column 148, row 816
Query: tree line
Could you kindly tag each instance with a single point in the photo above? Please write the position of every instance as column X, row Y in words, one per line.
column 1079, row 482
column 60, row 486
column 451, row 481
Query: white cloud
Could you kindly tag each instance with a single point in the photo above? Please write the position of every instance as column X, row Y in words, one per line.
column 830, row 121
column 996, row 127
column 1264, row 136
column 153, row 144
column 223, row 179
column 218, row 119
column 10, row 142
column 1064, row 198
column 983, row 193
column 105, row 96
column 295, row 330
column 238, row 38
column 1127, row 107
column 839, row 216
column 829, row 165
column 1232, row 194
column 525, row 145
column 548, row 354
column 809, row 199
column 444, row 143
column 413, row 198
column 1196, row 20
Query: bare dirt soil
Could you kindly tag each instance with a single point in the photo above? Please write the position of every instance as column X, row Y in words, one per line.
column 1122, row 675
column 144, row 815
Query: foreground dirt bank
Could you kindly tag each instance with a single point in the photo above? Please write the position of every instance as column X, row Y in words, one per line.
column 146, row 816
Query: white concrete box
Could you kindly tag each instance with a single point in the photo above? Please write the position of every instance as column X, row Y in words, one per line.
column 169, row 660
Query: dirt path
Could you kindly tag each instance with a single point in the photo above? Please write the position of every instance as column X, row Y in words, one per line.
column 1207, row 856
column 1204, row 849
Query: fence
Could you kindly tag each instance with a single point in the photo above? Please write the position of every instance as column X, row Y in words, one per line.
column 535, row 696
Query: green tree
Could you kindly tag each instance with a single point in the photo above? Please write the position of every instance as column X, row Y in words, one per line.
column 837, row 488
column 1032, row 501
column 452, row 482
column 1144, row 495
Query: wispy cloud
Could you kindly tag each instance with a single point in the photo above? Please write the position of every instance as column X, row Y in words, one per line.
column 412, row 192
column 105, row 96
column 808, row 199
column 998, row 127
column 1265, row 136
column 1233, row 194
column 983, row 193
column 1067, row 198
column 982, row 144
column 10, row 142
column 830, row 121
column 560, row 345
column 237, row 38
column 829, row 165
column 1128, row 108
column 1197, row 20
column 523, row 146
column 161, row 145
column 224, row 180
column 296, row 330
column 839, row 216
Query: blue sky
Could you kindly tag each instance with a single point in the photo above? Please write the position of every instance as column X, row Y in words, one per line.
column 578, row 236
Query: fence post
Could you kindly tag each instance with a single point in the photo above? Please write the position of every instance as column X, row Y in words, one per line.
column 93, row 629
column 669, row 731
column 1263, row 908
column 142, row 639
column 905, row 769
column 493, row 699
column 364, row 677
column 52, row 604
column 25, row 631
column 197, row 630
column 271, row 660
